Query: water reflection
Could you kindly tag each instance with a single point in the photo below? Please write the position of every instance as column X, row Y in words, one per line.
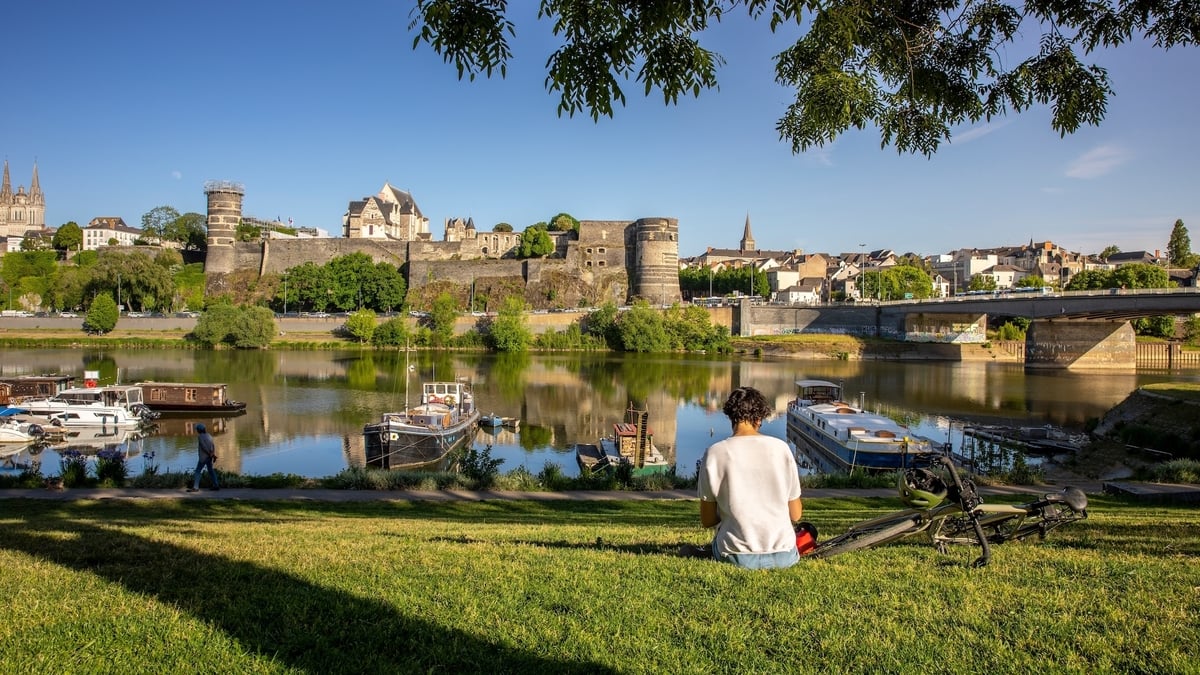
column 306, row 410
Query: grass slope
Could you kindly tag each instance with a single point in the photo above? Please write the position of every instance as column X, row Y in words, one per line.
column 571, row 587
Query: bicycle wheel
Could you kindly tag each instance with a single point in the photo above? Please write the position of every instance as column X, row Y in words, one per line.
column 866, row 537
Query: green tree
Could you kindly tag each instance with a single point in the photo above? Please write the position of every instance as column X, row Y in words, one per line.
column 1108, row 252
column 36, row 242
column 442, row 316
column 982, row 282
column 391, row 333
column 602, row 323
column 69, row 237
column 102, row 315
column 509, row 332
column 502, row 227
column 133, row 278
column 361, row 325
column 189, row 230
column 912, row 70
column 1179, row 248
column 247, row 231
column 535, row 242
column 642, row 330
column 1161, row 326
column 156, row 221
column 1030, row 281
column 906, row 281
column 239, row 327
column 564, row 222
column 308, row 287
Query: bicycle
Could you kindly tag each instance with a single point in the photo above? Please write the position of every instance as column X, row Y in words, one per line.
column 955, row 514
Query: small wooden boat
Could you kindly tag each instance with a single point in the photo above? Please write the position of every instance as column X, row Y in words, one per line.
column 496, row 421
column 631, row 443
column 185, row 398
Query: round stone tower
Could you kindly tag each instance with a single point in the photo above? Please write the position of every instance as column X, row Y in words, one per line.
column 224, row 214
column 656, row 260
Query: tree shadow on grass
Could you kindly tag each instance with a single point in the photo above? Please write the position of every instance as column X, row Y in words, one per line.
column 279, row 616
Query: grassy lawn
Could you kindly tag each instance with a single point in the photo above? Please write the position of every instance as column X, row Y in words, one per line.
column 559, row 587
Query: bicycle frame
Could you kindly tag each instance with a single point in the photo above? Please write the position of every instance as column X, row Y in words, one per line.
column 963, row 518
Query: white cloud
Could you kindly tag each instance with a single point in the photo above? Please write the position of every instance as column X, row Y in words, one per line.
column 177, row 175
column 1097, row 162
column 975, row 133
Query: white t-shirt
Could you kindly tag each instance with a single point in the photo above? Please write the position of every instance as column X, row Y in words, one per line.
column 752, row 479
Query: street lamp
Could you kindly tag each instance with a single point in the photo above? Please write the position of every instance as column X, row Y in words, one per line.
column 862, row 270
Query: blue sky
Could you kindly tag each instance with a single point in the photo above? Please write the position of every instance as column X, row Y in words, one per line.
column 128, row 106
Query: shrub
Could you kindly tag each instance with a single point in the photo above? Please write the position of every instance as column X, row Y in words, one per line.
column 73, row 467
column 111, row 470
column 479, row 467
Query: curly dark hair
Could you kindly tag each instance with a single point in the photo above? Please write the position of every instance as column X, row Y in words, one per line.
column 747, row 404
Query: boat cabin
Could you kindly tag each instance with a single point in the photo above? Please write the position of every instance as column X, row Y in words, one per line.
column 814, row 392
column 118, row 395
column 185, row 395
column 37, row 386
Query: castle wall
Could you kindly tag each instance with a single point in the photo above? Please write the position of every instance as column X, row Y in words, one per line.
column 610, row 259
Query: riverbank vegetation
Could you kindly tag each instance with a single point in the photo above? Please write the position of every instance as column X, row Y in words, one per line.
column 572, row 587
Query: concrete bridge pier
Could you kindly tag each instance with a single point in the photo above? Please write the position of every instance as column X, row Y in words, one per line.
column 1076, row 344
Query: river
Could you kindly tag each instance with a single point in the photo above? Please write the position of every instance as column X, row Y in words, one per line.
column 306, row 410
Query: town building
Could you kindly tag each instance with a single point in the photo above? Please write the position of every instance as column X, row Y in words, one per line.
column 391, row 213
column 20, row 211
column 108, row 231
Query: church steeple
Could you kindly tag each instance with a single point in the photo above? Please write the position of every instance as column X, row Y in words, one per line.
column 747, row 238
column 35, row 188
column 6, row 188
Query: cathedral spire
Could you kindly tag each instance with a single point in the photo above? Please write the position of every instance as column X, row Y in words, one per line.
column 35, row 188
column 747, row 238
column 6, row 187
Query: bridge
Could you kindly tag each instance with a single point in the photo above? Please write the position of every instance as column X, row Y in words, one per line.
column 1069, row 330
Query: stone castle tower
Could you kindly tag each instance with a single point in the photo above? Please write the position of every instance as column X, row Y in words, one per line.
column 655, row 265
column 224, row 214
column 21, row 211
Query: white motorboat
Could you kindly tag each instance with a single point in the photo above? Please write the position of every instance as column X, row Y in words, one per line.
column 13, row 430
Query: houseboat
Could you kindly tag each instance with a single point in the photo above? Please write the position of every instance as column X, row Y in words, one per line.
column 178, row 398
column 21, row 387
column 425, row 435
column 845, row 437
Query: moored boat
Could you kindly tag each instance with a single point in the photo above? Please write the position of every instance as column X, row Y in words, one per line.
column 423, row 436
column 114, row 406
column 189, row 398
column 631, row 443
column 496, row 421
column 13, row 430
column 847, row 437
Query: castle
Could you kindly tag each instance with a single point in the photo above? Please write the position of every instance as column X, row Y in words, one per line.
column 605, row 261
column 21, row 211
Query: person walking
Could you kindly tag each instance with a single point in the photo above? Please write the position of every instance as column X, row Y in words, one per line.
column 749, row 489
column 208, row 453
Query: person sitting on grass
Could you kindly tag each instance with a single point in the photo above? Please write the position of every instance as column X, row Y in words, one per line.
column 749, row 489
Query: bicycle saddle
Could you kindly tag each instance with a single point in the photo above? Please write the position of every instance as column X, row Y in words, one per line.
column 1072, row 496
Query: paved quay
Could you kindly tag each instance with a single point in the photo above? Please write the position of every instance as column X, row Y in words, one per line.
column 321, row 495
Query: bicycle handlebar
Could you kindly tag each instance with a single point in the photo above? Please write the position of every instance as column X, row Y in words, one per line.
column 969, row 500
